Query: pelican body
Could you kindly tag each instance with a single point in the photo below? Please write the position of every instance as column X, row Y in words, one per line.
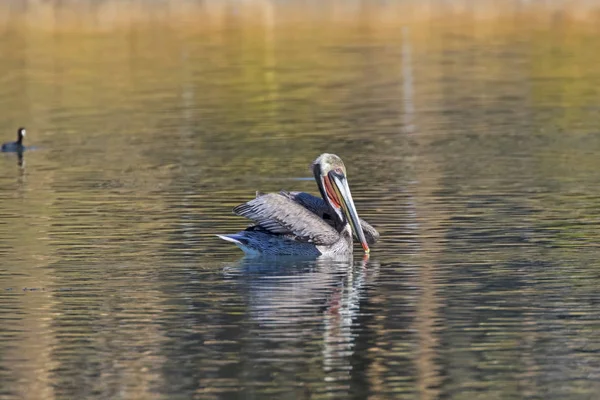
column 300, row 224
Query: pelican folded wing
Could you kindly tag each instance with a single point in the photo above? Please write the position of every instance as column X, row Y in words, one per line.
column 279, row 215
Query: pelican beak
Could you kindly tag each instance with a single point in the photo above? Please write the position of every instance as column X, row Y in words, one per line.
column 342, row 191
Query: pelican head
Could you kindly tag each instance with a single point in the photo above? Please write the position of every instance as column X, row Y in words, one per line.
column 330, row 174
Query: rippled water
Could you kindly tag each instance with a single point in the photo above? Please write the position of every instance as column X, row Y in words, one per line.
column 473, row 150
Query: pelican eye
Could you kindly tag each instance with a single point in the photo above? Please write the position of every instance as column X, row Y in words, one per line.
column 339, row 171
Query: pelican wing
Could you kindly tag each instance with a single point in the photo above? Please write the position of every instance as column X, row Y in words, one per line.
column 278, row 214
column 318, row 206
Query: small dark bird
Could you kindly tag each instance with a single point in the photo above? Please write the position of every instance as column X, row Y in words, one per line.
column 15, row 147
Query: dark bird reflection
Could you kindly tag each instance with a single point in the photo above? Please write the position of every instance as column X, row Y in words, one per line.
column 20, row 160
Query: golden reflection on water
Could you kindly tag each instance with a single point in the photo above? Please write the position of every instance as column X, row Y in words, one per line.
column 151, row 123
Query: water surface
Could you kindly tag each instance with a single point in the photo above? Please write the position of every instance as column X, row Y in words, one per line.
column 471, row 145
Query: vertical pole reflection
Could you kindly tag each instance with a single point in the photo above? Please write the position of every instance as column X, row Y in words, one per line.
column 269, row 61
column 428, row 222
column 407, row 82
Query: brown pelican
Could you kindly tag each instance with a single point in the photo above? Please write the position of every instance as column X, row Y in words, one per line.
column 299, row 224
